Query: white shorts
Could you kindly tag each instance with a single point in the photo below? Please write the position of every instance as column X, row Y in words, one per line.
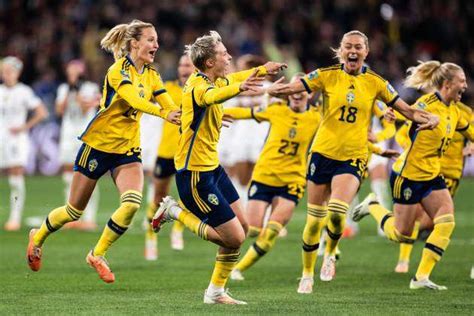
column 14, row 150
column 249, row 140
column 151, row 128
column 376, row 160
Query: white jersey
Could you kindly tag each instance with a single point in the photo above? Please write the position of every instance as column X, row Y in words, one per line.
column 15, row 102
column 226, row 138
column 74, row 120
column 376, row 127
column 151, row 128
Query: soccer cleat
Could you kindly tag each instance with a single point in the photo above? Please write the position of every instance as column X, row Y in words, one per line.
column 176, row 239
column 402, row 267
column 328, row 269
column 151, row 249
column 163, row 215
column 306, row 285
column 12, row 226
column 472, row 272
column 221, row 298
column 283, row 232
column 236, row 275
column 362, row 209
column 425, row 284
column 33, row 253
column 101, row 266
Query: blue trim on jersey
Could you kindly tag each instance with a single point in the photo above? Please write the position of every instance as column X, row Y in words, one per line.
column 462, row 129
column 197, row 119
column 391, row 103
column 306, row 85
column 109, row 95
column 88, row 125
column 158, row 92
column 412, row 133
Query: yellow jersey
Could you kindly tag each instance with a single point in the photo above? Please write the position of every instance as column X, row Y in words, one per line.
column 201, row 118
column 284, row 156
column 452, row 162
column 347, row 109
column 115, row 128
column 170, row 133
column 421, row 161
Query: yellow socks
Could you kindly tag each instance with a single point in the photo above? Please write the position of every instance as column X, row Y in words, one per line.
column 223, row 267
column 262, row 245
column 315, row 221
column 254, row 231
column 337, row 210
column 436, row 244
column 55, row 220
column 119, row 221
column 194, row 224
column 150, row 211
column 407, row 247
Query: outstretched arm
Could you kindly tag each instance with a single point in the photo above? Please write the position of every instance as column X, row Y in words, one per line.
column 425, row 119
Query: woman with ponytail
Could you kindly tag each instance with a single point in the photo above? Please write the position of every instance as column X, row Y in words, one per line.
column 111, row 141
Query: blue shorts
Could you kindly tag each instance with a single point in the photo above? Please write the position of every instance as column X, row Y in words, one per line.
column 321, row 169
column 405, row 191
column 263, row 192
column 207, row 194
column 94, row 163
column 164, row 168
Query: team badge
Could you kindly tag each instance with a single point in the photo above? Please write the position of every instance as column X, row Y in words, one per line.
column 253, row 190
column 448, row 128
column 312, row 168
column 212, row 198
column 350, row 97
column 390, row 88
column 142, row 94
column 93, row 165
column 421, row 105
column 292, row 132
column 407, row 194
column 313, row 75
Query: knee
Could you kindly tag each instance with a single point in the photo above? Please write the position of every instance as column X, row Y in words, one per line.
column 337, row 219
column 236, row 241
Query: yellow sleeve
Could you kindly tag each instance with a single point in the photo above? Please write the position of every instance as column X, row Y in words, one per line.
column 118, row 76
column 401, row 137
column 206, row 94
column 375, row 149
column 386, row 92
column 255, row 113
column 243, row 75
column 130, row 94
column 313, row 81
column 465, row 128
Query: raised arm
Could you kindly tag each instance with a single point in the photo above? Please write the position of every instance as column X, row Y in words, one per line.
column 425, row 119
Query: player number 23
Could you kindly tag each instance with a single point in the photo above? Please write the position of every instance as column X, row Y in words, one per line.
column 288, row 147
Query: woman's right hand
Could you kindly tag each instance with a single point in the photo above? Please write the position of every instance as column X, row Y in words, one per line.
column 174, row 117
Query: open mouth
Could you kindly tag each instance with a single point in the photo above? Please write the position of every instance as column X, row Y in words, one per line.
column 152, row 54
column 352, row 59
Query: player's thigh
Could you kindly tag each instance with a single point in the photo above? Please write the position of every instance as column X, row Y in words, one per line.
column 162, row 188
column 231, row 233
column 318, row 193
column 405, row 216
column 378, row 171
column 437, row 203
column 81, row 190
column 344, row 187
column 282, row 210
column 256, row 212
column 128, row 177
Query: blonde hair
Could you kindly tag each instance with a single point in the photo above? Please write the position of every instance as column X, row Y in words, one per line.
column 203, row 49
column 430, row 74
column 337, row 51
column 117, row 40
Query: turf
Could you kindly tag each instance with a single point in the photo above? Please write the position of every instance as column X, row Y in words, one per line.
column 365, row 283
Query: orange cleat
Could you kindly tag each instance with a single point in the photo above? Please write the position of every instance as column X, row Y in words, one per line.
column 33, row 253
column 101, row 266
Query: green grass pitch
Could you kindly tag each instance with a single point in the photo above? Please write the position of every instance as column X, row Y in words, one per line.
column 365, row 283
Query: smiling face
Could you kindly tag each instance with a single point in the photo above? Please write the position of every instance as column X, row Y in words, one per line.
column 455, row 87
column 185, row 68
column 353, row 53
column 147, row 45
column 219, row 64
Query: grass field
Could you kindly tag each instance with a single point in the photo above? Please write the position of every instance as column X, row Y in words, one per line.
column 365, row 283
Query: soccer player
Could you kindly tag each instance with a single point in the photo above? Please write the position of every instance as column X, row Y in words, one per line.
column 452, row 164
column 339, row 152
column 164, row 166
column 279, row 175
column 111, row 141
column 215, row 211
column 16, row 100
column 416, row 176
column 76, row 103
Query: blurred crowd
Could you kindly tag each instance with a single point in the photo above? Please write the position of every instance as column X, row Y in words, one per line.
column 47, row 34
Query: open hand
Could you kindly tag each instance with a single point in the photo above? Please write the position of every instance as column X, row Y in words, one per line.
column 174, row 117
column 426, row 120
column 253, row 83
column 389, row 115
column 273, row 67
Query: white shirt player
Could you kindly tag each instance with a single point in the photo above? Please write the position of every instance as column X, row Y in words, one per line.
column 74, row 120
column 150, row 135
column 15, row 102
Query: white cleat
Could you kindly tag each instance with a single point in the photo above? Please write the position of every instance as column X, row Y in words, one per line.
column 328, row 269
column 426, row 284
column 306, row 285
column 472, row 272
column 361, row 210
column 236, row 275
column 221, row 298
column 402, row 267
column 177, row 242
column 163, row 214
column 151, row 249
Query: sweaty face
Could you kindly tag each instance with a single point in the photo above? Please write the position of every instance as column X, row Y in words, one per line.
column 457, row 86
column 10, row 75
column 147, row 45
column 353, row 53
column 221, row 61
column 185, row 68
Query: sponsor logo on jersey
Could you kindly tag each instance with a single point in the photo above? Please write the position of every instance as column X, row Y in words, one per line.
column 93, row 165
column 292, row 133
column 407, row 194
column 390, row 88
column 253, row 190
column 350, row 97
column 312, row 168
column 212, row 198
column 313, row 75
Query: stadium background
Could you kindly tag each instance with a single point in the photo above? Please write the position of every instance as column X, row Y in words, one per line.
column 47, row 34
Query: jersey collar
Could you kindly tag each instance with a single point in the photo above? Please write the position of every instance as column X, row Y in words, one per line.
column 440, row 98
column 362, row 71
